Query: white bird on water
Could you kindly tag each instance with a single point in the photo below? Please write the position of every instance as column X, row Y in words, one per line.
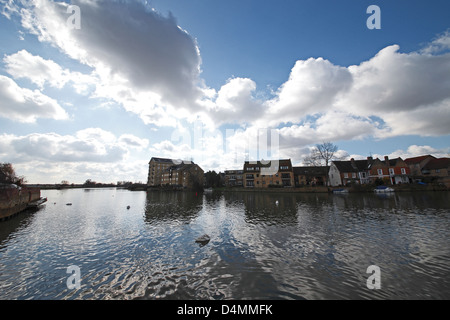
column 276, row 202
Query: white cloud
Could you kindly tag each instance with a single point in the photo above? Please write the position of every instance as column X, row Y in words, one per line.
column 93, row 145
column 25, row 105
column 132, row 141
column 312, row 88
column 392, row 82
column 415, row 151
column 440, row 44
column 235, row 102
column 24, row 65
column 128, row 46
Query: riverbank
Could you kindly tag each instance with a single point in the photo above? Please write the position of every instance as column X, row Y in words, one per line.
column 315, row 189
column 14, row 200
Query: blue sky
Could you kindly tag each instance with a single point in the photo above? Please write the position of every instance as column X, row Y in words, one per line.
column 200, row 79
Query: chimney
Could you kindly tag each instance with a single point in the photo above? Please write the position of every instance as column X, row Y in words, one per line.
column 386, row 160
column 370, row 159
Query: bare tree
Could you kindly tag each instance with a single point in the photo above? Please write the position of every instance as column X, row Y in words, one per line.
column 326, row 151
column 313, row 159
column 321, row 153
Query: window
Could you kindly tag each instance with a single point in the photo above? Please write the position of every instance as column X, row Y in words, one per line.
column 403, row 170
column 391, row 171
column 345, row 175
column 353, row 175
column 380, row 172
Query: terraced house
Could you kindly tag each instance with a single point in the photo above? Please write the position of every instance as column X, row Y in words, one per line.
column 430, row 169
column 390, row 171
column 265, row 174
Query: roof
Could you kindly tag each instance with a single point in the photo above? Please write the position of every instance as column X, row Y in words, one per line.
column 441, row 163
column 161, row 160
column 170, row 161
column 419, row 159
column 393, row 162
column 353, row 165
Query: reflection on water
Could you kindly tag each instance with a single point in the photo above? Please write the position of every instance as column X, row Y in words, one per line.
column 263, row 246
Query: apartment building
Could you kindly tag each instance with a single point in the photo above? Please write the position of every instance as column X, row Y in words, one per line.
column 185, row 175
column 157, row 167
column 265, row 174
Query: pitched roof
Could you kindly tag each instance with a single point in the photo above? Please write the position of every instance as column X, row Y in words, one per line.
column 440, row 163
column 353, row 165
column 415, row 160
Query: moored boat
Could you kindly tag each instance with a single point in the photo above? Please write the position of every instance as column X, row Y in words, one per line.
column 383, row 189
column 37, row 203
column 340, row 191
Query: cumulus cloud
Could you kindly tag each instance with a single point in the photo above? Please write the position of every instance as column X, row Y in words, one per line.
column 392, row 82
column 235, row 102
column 151, row 66
column 25, row 105
column 312, row 87
column 132, row 141
column 41, row 72
column 127, row 42
column 416, row 150
column 92, row 145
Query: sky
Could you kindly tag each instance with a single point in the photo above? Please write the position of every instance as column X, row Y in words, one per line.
column 92, row 89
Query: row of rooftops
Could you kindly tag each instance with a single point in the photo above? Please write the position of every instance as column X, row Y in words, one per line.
column 366, row 164
column 343, row 166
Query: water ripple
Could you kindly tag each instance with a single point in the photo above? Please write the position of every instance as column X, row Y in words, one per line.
column 310, row 246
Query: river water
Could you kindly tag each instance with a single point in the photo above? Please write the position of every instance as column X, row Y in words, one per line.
column 263, row 246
